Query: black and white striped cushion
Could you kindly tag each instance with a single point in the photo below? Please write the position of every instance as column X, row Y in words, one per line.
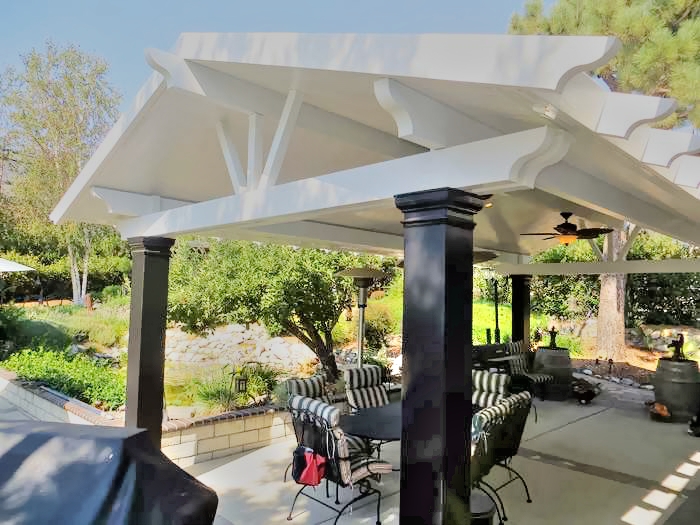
column 485, row 399
column 367, row 376
column 485, row 381
column 518, row 366
column 539, row 378
column 328, row 413
column 374, row 396
column 314, row 387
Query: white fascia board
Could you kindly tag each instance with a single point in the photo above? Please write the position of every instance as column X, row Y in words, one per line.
column 144, row 99
column 332, row 234
column 489, row 162
column 531, row 61
column 425, row 121
column 597, row 268
column 129, row 204
column 685, row 171
column 245, row 97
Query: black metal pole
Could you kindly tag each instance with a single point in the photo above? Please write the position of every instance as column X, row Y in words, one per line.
column 437, row 350
column 497, row 331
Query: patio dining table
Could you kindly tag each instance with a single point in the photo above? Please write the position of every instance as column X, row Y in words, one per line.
column 381, row 423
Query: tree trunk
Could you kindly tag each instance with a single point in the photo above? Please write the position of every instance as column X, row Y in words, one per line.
column 86, row 260
column 323, row 350
column 611, row 309
column 327, row 358
column 74, row 275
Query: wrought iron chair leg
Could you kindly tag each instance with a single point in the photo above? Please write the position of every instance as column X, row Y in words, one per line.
column 327, row 493
column 337, row 499
column 285, row 473
column 517, row 475
column 289, row 517
column 358, row 498
column 379, row 502
column 498, row 501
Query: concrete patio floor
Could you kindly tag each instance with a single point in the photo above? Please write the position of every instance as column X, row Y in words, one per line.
column 605, row 463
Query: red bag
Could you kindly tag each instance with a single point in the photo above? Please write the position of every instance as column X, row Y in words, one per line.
column 314, row 471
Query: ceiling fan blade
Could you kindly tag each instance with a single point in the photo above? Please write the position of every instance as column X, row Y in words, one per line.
column 548, row 233
column 592, row 233
column 552, row 237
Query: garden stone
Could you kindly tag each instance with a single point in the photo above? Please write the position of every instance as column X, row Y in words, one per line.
column 615, row 380
column 627, row 381
column 588, row 372
column 648, row 387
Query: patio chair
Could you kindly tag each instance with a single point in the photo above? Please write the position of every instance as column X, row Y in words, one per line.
column 316, row 426
column 489, row 387
column 511, row 436
column 365, row 389
column 314, row 387
column 522, row 377
column 486, row 432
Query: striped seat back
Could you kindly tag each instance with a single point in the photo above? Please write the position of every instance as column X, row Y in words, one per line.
column 314, row 387
column 373, row 396
column 327, row 439
column 367, row 376
column 488, row 387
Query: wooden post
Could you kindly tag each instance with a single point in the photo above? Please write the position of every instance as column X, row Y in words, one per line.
column 436, row 406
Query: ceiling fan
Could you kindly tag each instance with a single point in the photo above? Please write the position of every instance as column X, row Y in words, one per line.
column 567, row 232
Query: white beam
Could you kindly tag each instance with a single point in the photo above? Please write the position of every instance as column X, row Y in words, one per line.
column 596, row 268
column 255, row 149
column 622, row 255
column 581, row 188
column 129, row 204
column 231, row 158
column 425, row 121
column 685, row 170
column 326, row 234
column 477, row 164
column 280, row 142
column 239, row 95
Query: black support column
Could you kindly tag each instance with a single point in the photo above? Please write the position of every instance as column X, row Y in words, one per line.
column 436, row 407
column 521, row 308
column 149, row 302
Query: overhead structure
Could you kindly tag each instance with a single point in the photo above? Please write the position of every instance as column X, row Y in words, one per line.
column 7, row 266
column 306, row 138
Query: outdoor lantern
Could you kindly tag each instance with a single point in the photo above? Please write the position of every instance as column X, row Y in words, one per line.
column 567, row 239
column 241, row 384
column 362, row 278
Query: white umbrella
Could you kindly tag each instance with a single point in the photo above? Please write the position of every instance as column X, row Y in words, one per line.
column 11, row 266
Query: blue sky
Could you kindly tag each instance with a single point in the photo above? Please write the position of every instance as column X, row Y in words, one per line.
column 120, row 30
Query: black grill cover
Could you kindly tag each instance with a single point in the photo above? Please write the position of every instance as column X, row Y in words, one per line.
column 59, row 473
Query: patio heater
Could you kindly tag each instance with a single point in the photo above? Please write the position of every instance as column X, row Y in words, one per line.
column 492, row 277
column 362, row 278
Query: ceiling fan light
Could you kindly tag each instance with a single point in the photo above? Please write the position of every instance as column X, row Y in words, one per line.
column 567, row 239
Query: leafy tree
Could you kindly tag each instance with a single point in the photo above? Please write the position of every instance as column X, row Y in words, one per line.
column 55, row 111
column 290, row 290
column 660, row 56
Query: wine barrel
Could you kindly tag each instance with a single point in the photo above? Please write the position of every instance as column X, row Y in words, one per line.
column 556, row 362
column 677, row 385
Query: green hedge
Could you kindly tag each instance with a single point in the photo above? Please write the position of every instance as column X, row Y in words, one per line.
column 77, row 376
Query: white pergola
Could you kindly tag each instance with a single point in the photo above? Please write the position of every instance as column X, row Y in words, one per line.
column 306, row 138
column 316, row 139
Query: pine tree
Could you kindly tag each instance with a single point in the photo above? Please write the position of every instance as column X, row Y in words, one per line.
column 660, row 56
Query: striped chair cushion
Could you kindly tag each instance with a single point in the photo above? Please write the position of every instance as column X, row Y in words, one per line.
column 374, row 396
column 516, row 400
column 328, row 413
column 514, row 347
column 485, row 399
column 518, row 367
column 364, row 466
column 368, row 375
column 355, row 466
column 490, row 382
column 538, row 378
column 314, row 387
column 358, row 444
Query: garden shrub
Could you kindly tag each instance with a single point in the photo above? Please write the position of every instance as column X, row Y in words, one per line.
column 379, row 324
column 10, row 319
column 78, row 376
column 218, row 390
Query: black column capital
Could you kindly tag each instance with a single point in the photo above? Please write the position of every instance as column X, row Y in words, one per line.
column 526, row 279
column 151, row 245
column 440, row 206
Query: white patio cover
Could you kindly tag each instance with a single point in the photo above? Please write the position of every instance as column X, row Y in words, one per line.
column 11, row 267
column 306, row 138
